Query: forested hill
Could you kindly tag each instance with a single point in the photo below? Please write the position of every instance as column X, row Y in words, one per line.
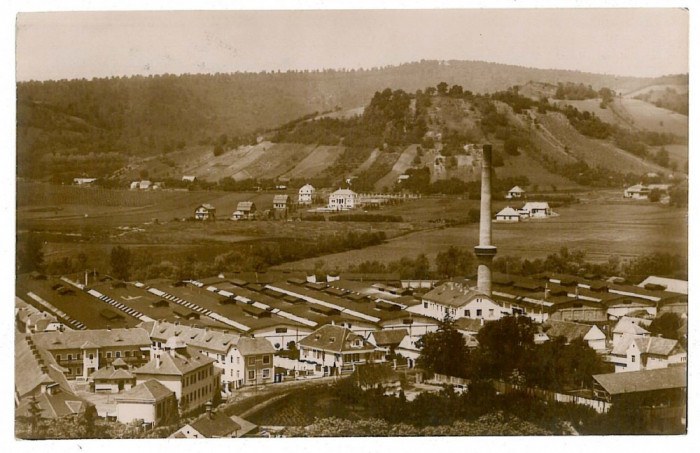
column 65, row 124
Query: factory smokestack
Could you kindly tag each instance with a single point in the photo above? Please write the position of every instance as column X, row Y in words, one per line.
column 485, row 251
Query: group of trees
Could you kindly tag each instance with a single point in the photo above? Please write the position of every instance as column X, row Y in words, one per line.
column 507, row 351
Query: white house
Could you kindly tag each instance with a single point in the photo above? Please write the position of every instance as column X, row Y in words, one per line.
column 306, row 194
column 233, row 355
column 537, row 209
column 508, row 214
column 84, row 181
column 515, row 192
column 150, row 401
column 205, row 212
column 338, row 349
column 458, row 301
column 647, row 353
column 637, row 192
column 244, row 210
column 189, row 178
column 628, row 326
column 342, row 199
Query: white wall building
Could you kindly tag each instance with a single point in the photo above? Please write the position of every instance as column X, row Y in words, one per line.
column 342, row 199
column 306, row 194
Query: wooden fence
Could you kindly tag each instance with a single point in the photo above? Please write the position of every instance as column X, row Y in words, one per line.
column 599, row 406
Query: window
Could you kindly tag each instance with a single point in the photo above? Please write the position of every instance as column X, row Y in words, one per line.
column 447, row 310
column 119, row 354
column 633, row 359
column 266, row 373
column 127, row 353
column 425, row 304
column 58, row 357
column 109, row 354
column 467, row 313
column 251, row 374
column 251, row 361
column 266, row 359
column 91, row 356
column 281, row 330
column 70, row 356
column 478, row 312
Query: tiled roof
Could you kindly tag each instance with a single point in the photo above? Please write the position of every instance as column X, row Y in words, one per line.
column 336, row 339
column 389, row 337
column 646, row 345
column 630, row 325
column 643, row 381
column 451, row 294
column 54, row 405
column 508, row 211
column 568, row 330
column 245, row 206
column 29, row 372
column 536, row 205
column 179, row 364
column 280, row 198
column 252, row 346
column 74, row 339
column 217, row 424
column 219, row 342
column 150, row 390
column 469, row 325
column 109, row 372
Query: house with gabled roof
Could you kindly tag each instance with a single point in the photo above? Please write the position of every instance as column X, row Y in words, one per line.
column 280, row 201
column 182, row 369
column 245, row 210
column 337, row 350
column 150, row 402
column 536, row 209
column 306, row 194
column 113, row 378
column 508, row 214
column 570, row 331
column 630, row 326
column 205, row 212
column 234, row 355
column 457, row 300
column 634, row 353
column 215, row 424
column 515, row 192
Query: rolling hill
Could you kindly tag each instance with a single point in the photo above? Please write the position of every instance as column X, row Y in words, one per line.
column 70, row 128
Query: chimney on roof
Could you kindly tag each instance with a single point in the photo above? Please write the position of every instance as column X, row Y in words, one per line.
column 157, row 360
column 485, row 251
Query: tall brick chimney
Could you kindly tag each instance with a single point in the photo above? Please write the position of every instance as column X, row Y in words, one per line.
column 485, row 251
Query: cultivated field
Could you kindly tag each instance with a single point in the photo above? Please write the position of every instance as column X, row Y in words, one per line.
column 601, row 226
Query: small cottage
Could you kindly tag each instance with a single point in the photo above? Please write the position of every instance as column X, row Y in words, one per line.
column 515, row 192
column 205, row 212
column 306, row 194
column 508, row 214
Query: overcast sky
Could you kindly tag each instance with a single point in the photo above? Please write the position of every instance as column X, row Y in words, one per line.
column 639, row 42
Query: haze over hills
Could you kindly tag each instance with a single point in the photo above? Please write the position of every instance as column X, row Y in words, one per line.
column 79, row 127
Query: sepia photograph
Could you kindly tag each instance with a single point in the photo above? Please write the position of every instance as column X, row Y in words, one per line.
column 304, row 223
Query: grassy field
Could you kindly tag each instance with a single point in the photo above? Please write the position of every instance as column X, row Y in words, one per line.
column 90, row 220
column 601, row 226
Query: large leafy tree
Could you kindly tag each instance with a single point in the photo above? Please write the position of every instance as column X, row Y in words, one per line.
column 30, row 253
column 503, row 346
column 120, row 260
column 445, row 351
